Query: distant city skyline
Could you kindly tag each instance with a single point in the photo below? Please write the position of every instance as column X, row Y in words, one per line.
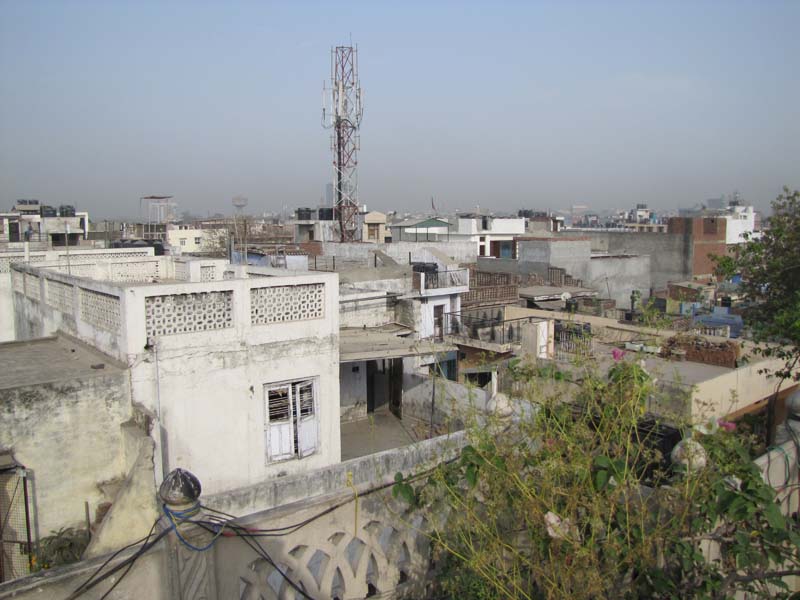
column 506, row 106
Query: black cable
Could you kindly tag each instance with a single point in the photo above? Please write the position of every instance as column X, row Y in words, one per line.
column 121, row 577
column 261, row 551
column 113, row 556
column 131, row 559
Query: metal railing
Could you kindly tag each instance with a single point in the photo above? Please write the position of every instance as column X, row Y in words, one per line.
column 490, row 295
column 572, row 339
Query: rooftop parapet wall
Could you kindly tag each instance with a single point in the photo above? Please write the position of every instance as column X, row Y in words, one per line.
column 121, row 318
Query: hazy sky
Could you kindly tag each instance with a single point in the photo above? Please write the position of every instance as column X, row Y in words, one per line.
column 505, row 105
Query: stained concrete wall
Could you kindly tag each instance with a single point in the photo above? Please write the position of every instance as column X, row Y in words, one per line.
column 570, row 254
column 353, row 391
column 211, row 402
column 452, row 401
column 367, row 309
column 7, row 329
column 618, row 276
column 7, row 333
column 149, row 578
column 509, row 265
column 206, row 387
column 68, row 435
column 363, row 472
column 670, row 254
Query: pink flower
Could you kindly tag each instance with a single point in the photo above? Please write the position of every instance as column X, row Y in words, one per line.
column 617, row 354
column 726, row 425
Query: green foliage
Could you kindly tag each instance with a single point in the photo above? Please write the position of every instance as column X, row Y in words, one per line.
column 62, row 547
column 770, row 270
column 570, row 501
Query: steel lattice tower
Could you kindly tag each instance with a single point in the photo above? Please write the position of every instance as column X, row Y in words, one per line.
column 341, row 111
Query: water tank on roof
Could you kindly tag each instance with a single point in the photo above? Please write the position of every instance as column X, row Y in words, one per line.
column 571, row 305
column 305, row 214
column 326, row 214
column 47, row 211
column 425, row 267
column 66, row 210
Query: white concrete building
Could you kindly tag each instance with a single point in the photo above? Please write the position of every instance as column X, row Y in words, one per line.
column 183, row 239
column 236, row 369
column 43, row 226
column 492, row 236
column 741, row 220
column 64, row 257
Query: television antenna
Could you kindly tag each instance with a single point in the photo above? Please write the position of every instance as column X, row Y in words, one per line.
column 239, row 203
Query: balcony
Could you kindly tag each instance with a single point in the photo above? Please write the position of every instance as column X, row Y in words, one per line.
column 488, row 329
column 440, row 283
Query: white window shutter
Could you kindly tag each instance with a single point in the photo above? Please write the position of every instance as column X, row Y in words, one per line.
column 279, row 430
column 307, row 435
column 307, row 418
column 280, row 441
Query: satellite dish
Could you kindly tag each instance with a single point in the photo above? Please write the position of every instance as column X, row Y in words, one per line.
column 239, row 202
column 565, row 296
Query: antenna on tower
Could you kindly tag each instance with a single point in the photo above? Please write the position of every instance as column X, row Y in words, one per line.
column 239, row 202
column 342, row 109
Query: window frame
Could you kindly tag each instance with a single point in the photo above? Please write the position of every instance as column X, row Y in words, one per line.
column 301, row 423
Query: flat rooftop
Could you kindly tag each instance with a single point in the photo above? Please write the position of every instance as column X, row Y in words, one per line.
column 681, row 372
column 49, row 360
column 553, row 292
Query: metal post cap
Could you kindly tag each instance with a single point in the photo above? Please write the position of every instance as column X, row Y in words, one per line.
column 179, row 487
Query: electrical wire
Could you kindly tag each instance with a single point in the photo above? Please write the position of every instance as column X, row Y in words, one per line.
column 220, row 528
column 128, row 562
column 113, row 556
column 184, row 516
column 256, row 546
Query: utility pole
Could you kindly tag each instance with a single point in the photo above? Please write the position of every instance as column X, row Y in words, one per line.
column 342, row 110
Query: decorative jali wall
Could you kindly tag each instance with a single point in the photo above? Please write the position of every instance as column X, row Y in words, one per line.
column 187, row 313
column 59, row 296
column 100, row 310
column 372, row 548
column 287, row 303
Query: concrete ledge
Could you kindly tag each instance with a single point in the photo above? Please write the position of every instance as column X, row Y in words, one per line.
column 367, row 471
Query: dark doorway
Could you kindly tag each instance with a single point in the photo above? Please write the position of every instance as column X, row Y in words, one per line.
column 13, row 231
column 438, row 321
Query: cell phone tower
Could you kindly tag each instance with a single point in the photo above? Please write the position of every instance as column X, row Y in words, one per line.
column 342, row 108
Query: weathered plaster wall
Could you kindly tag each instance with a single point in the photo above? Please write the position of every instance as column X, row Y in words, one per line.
column 618, row 276
column 56, row 257
column 211, row 402
column 452, row 401
column 570, row 254
column 670, row 253
column 150, row 578
column 364, row 472
column 368, row 309
column 353, row 395
column 508, row 265
column 205, row 385
column 6, row 309
column 68, row 435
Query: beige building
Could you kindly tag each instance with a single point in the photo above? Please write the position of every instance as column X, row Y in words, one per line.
column 374, row 228
column 187, row 240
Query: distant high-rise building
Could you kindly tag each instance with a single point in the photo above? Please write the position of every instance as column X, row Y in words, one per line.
column 329, row 194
